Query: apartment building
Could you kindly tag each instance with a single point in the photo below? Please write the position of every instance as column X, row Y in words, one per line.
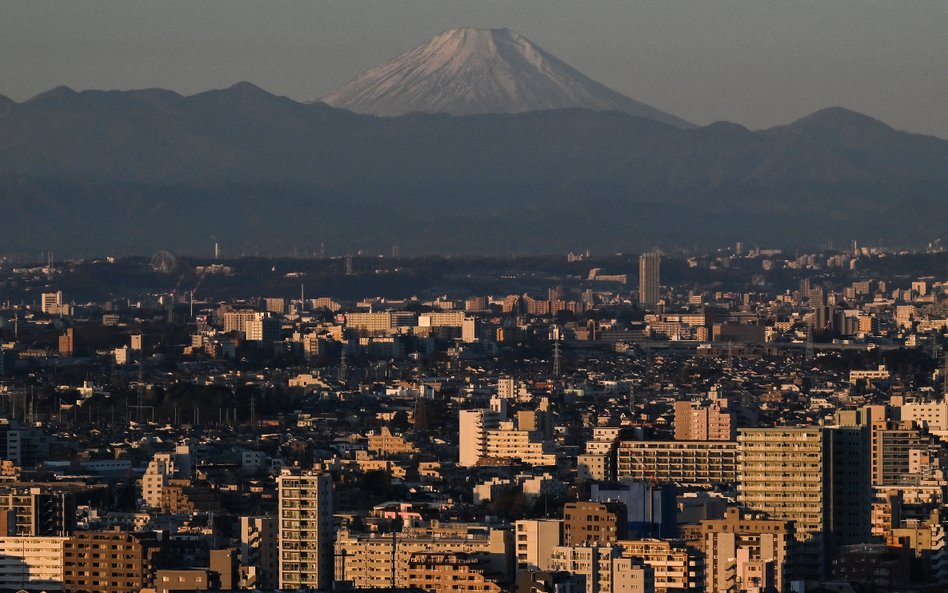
column 305, row 529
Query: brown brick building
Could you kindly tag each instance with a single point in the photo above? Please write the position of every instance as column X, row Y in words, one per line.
column 108, row 562
column 594, row 523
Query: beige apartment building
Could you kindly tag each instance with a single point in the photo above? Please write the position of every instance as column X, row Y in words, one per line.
column 692, row 463
column 603, row 569
column 704, row 421
column 32, row 563
column 676, row 569
column 746, row 553
column 535, row 540
column 382, row 560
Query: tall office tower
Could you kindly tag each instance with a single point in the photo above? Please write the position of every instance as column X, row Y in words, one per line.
column 305, row 529
column 649, row 278
column 817, row 477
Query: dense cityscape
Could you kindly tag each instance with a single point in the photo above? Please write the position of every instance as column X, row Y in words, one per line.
column 741, row 420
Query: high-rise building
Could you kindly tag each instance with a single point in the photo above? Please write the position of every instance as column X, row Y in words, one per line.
column 814, row 476
column 235, row 321
column 305, row 529
column 649, row 278
column 508, row 441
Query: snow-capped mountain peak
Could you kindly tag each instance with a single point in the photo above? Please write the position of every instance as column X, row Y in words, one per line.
column 469, row 71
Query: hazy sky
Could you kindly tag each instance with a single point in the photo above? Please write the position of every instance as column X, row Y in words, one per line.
column 755, row 62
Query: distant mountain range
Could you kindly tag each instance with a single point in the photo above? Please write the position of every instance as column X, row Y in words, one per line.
column 99, row 172
column 474, row 71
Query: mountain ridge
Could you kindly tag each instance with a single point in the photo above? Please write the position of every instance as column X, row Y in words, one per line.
column 133, row 171
column 470, row 71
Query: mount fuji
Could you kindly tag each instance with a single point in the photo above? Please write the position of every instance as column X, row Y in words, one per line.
column 476, row 71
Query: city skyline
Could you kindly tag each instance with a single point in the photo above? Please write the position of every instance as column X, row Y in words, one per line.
column 541, row 297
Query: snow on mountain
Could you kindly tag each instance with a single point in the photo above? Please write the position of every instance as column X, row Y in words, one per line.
column 470, row 71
